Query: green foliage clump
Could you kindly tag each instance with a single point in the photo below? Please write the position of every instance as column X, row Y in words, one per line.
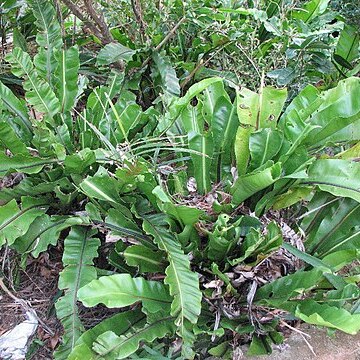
column 185, row 187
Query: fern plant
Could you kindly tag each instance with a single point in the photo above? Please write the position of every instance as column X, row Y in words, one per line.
column 105, row 165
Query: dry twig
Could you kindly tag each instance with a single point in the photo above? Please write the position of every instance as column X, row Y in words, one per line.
column 136, row 5
column 98, row 27
column 164, row 40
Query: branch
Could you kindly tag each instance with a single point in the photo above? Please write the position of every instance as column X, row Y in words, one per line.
column 100, row 22
column 201, row 64
column 164, row 40
column 136, row 5
column 78, row 13
column 170, row 34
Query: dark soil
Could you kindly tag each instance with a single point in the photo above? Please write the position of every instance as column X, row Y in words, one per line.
column 37, row 286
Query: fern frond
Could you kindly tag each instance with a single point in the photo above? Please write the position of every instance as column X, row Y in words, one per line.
column 80, row 248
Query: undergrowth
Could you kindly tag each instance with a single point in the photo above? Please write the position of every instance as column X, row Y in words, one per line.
column 219, row 212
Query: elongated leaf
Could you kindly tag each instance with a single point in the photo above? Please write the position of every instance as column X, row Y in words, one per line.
column 351, row 153
column 256, row 246
column 123, row 117
column 111, row 346
column 223, row 238
column 19, row 39
column 264, row 145
column 98, row 100
column 170, row 123
column 344, row 295
column 210, row 97
column 193, row 91
column 260, row 110
column 122, row 217
column 291, row 197
column 10, row 140
column 329, row 316
column 79, row 162
column 121, row 223
column 340, row 108
column 224, row 125
column 79, row 250
column 38, row 92
column 113, row 52
column 338, row 177
column 23, row 163
column 66, row 74
column 119, row 324
column 343, row 62
column 48, row 38
column 15, row 220
column 255, row 111
column 202, row 163
column 146, row 259
column 101, row 186
column 284, row 76
column 16, row 106
column 260, row 345
column 242, row 151
column 183, row 283
column 281, row 290
column 272, row 10
column 311, row 9
column 309, row 259
column 293, row 121
column 184, row 214
column 332, row 227
column 42, row 232
column 191, row 119
column 169, row 81
column 121, row 290
column 248, row 185
column 338, row 259
column 348, row 44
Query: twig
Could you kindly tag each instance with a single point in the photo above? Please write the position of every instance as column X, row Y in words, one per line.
column 73, row 32
column 77, row 12
column 136, row 5
column 295, row 329
column 164, row 40
column 4, row 258
column 170, row 34
column 100, row 22
column 9, row 293
column 308, row 344
column 303, row 334
column 216, row 325
column 24, row 305
column 249, row 59
column 59, row 15
column 201, row 64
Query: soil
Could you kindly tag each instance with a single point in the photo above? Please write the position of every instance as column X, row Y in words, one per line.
column 318, row 346
column 37, row 286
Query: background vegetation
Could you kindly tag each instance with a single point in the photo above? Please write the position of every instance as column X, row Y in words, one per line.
column 194, row 163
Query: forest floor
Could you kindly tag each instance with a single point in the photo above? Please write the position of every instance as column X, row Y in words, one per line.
column 37, row 286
